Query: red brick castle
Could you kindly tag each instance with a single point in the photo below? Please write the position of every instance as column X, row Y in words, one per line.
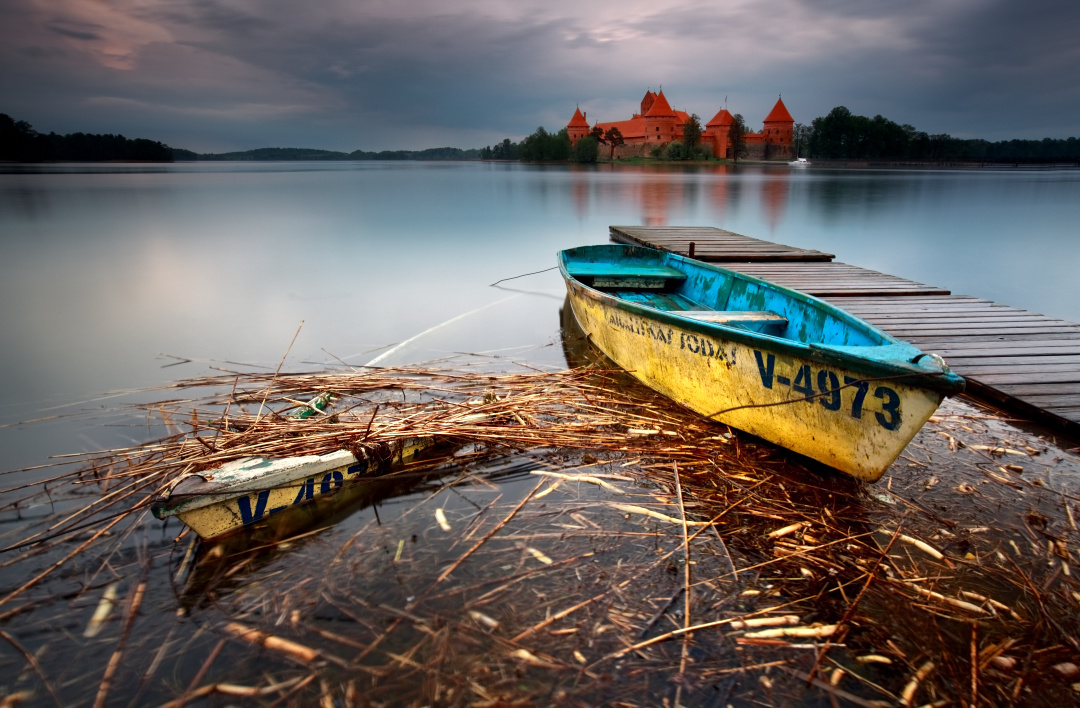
column 659, row 123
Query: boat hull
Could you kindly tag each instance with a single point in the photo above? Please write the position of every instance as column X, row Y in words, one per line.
column 221, row 512
column 787, row 399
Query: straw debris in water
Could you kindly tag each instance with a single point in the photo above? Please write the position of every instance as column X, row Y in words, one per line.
column 586, row 542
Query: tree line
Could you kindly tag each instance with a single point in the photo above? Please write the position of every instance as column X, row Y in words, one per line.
column 285, row 154
column 542, row 146
column 842, row 135
column 838, row 136
column 19, row 142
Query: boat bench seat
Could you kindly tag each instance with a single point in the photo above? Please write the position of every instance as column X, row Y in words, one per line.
column 636, row 276
column 756, row 320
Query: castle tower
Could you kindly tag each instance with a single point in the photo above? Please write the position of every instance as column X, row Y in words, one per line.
column 779, row 126
column 661, row 122
column 646, row 103
column 578, row 127
column 716, row 133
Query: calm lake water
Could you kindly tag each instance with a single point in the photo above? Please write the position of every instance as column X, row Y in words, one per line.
column 118, row 278
column 110, row 274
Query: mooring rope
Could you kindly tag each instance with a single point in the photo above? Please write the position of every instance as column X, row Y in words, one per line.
column 824, row 393
column 515, row 277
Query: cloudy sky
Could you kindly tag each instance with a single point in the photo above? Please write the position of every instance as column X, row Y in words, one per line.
column 217, row 75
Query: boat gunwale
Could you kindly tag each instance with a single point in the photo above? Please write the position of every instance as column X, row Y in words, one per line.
column 167, row 505
column 944, row 381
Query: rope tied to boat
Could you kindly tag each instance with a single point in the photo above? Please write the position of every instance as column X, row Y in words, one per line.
column 515, row 277
column 831, row 391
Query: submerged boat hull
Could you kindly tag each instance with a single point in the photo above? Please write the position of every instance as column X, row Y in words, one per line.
column 857, row 419
column 252, row 490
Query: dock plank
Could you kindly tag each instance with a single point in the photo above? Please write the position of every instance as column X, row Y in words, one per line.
column 712, row 244
column 1024, row 377
column 963, row 362
column 977, row 329
column 1011, row 349
column 834, row 279
column 954, row 321
column 991, row 369
column 1056, row 388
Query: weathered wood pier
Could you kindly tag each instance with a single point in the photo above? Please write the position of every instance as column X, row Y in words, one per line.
column 1017, row 360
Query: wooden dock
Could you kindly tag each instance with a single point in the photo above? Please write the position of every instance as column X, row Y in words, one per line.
column 1017, row 360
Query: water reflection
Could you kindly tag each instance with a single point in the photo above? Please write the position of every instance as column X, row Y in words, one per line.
column 663, row 195
column 211, row 566
column 105, row 268
column 774, row 197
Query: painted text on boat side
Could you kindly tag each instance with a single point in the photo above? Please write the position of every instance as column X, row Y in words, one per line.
column 829, row 391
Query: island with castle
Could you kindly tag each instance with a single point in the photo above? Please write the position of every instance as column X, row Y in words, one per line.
column 658, row 124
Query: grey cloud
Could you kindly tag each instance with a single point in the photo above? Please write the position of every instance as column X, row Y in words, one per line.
column 74, row 33
column 210, row 16
column 366, row 79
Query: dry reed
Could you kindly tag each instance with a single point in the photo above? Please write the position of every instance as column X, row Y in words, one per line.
column 547, row 554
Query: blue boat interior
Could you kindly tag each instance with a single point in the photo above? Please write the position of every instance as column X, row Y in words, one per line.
column 697, row 291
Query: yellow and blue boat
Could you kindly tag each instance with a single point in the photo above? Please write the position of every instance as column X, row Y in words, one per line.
column 766, row 359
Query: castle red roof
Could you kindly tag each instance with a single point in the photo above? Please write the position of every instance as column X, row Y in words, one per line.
column 578, row 121
column 633, row 128
column 660, row 108
column 779, row 113
column 721, row 119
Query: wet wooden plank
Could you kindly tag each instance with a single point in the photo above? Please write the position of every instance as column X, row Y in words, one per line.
column 974, row 321
column 935, row 340
column 1050, row 402
column 835, row 279
column 1014, row 359
column 950, row 318
column 1024, row 377
column 1058, row 414
column 966, row 319
column 987, row 335
column 905, row 304
column 955, row 300
column 1071, row 413
column 968, row 333
column 900, row 314
column 1056, row 388
column 1026, row 349
column 1031, row 332
column 991, row 367
column 712, row 244
column 910, row 310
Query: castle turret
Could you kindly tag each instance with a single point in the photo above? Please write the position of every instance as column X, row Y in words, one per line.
column 660, row 121
column 779, row 126
column 578, row 127
column 716, row 133
column 647, row 101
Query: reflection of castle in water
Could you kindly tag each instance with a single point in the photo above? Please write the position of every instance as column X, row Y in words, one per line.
column 663, row 191
column 774, row 196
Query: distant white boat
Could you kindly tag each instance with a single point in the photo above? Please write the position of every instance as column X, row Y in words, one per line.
column 799, row 162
